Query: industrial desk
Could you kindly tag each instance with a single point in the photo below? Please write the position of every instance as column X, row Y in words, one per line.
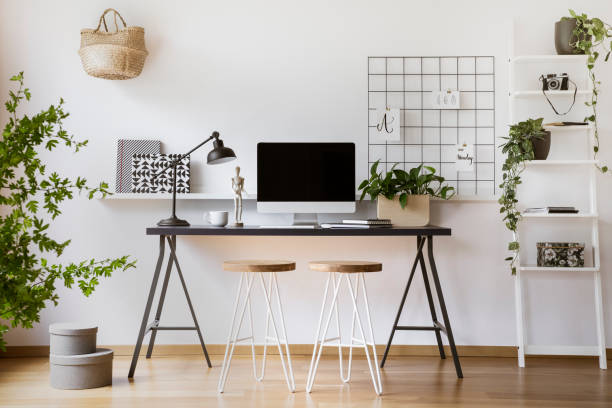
column 423, row 235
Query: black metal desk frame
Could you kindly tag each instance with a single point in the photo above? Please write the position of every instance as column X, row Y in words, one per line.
column 437, row 326
column 424, row 235
column 154, row 327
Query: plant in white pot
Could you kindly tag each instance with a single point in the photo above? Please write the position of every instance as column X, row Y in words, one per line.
column 403, row 197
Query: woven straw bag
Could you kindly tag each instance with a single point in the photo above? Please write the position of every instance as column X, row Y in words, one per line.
column 113, row 55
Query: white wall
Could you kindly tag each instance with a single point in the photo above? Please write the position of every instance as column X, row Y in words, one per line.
column 282, row 70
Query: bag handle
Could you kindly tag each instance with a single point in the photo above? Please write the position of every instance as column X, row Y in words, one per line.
column 551, row 104
column 103, row 20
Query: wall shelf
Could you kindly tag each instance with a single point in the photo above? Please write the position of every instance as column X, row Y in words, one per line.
column 539, row 163
column 518, row 97
column 548, row 58
column 530, row 94
column 554, row 350
column 570, row 128
column 230, row 196
column 168, row 196
column 553, row 269
column 563, row 216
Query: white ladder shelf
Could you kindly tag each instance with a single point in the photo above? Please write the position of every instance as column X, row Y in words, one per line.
column 516, row 97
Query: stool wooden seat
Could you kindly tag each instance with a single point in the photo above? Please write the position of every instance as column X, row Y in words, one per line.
column 345, row 266
column 259, row 265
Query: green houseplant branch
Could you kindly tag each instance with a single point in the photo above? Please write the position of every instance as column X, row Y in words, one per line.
column 30, row 199
column 518, row 149
column 420, row 180
column 591, row 36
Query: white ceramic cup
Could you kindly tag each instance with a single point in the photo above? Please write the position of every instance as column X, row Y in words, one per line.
column 216, row 218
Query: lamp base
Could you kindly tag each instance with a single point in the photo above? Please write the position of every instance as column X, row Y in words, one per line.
column 173, row 222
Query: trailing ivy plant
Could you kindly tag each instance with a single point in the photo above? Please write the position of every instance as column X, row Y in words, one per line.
column 591, row 36
column 30, row 198
column 419, row 180
column 518, row 149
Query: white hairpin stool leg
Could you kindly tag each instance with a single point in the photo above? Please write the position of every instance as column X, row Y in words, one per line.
column 339, row 339
column 235, row 329
column 321, row 340
column 266, row 337
column 253, row 356
column 319, row 326
column 375, row 378
column 284, row 331
column 367, row 308
column 350, row 358
column 290, row 381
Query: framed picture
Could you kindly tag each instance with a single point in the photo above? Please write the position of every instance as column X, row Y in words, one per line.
column 126, row 148
column 145, row 166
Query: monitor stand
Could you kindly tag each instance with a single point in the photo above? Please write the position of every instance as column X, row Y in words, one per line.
column 300, row 221
column 305, row 220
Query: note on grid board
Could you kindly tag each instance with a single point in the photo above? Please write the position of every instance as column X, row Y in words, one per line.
column 429, row 135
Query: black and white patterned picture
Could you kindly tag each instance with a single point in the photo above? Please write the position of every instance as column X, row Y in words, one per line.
column 126, row 148
column 145, row 166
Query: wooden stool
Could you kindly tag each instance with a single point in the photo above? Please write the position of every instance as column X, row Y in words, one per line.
column 345, row 270
column 250, row 269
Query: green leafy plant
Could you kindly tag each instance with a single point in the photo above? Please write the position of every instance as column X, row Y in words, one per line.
column 418, row 181
column 592, row 36
column 518, row 149
column 27, row 279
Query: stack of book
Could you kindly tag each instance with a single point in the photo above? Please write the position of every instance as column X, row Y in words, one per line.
column 371, row 223
column 551, row 210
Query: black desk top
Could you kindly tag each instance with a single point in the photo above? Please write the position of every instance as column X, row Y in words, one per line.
column 254, row 230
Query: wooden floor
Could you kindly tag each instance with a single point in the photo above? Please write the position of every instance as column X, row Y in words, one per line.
column 183, row 381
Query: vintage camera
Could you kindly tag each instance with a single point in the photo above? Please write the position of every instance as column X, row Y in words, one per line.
column 555, row 82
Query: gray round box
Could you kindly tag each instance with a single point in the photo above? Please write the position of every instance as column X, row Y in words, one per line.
column 82, row 371
column 72, row 338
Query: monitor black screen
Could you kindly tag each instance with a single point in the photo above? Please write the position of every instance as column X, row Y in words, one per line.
column 305, row 172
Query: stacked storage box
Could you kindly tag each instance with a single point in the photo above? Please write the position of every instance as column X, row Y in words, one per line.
column 75, row 362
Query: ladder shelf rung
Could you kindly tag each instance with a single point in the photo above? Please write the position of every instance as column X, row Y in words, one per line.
column 553, row 350
column 559, row 269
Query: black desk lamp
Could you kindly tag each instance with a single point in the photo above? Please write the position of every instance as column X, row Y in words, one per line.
column 219, row 154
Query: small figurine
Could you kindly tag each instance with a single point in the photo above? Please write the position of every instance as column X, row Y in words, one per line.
column 238, row 187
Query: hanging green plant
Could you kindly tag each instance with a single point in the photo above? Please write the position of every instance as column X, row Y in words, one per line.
column 30, row 199
column 518, row 149
column 590, row 36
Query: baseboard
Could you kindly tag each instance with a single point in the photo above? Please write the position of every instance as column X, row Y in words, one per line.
column 296, row 349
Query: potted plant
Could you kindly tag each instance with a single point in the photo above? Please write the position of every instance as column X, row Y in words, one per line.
column 30, row 198
column 520, row 146
column 580, row 34
column 566, row 36
column 403, row 197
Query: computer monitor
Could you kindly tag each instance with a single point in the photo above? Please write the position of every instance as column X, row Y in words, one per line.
column 306, row 178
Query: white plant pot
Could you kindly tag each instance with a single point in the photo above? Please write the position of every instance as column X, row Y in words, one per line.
column 415, row 214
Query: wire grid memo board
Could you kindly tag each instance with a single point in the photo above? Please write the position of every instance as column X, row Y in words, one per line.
column 429, row 135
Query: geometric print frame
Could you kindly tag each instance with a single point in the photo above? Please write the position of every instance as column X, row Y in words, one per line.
column 144, row 166
column 429, row 136
column 126, row 148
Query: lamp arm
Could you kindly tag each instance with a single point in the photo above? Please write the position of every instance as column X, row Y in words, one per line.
column 182, row 156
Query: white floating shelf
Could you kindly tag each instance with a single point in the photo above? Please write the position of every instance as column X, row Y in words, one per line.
column 569, row 128
column 537, row 163
column 558, row 269
column 548, row 58
column 230, row 196
column 168, row 196
column 530, row 94
column 546, row 215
